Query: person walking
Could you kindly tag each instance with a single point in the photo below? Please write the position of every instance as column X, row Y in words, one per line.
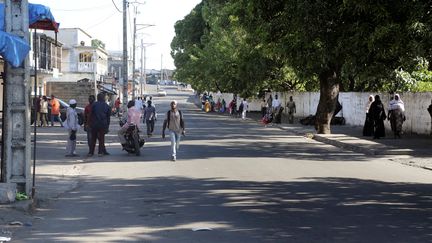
column 277, row 110
column 100, row 121
column 223, row 106
column 44, row 111
column 55, row 111
column 175, row 123
column 36, row 107
column 264, row 107
column 71, row 124
column 291, row 107
column 429, row 109
column 139, row 104
column 233, row 107
column 117, row 104
column 397, row 115
column 378, row 116
column 87, row 118
column 245, row 107
column 270, row 102
column 369, row 124
column 150, row 118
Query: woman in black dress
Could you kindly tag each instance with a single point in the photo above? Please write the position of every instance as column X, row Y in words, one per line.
column 368, row 125
column 378, row 115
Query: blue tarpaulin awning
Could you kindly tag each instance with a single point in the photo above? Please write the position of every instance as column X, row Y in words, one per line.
column 40, row 17
column 13, row 48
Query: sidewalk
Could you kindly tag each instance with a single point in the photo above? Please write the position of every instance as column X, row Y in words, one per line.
column 416, row 148
column 350, row 138
column 55, row 175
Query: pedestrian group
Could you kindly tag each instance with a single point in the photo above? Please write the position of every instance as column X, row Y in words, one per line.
column 375, row 116
column 97, row 119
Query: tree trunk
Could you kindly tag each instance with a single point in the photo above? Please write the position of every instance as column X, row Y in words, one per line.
column 329, row 90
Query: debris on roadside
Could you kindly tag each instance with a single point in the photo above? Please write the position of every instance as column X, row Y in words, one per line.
column 16, row 223
column 201, row 229
column 4, row 239
column 21, row 196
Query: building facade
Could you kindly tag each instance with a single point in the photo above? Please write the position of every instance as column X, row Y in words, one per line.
column 80, row 60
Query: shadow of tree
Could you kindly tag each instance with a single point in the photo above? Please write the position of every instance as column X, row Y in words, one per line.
column 165, row 209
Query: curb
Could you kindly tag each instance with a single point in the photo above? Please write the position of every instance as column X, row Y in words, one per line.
column 350, row 147
column 342, row 145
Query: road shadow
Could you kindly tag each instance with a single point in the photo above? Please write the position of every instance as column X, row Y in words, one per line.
column 165, row 209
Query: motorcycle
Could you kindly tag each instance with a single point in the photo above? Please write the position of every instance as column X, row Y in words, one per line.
column 134, row 142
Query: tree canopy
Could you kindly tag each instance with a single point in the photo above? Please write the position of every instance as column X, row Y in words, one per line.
column 246, row 46
column 98, row 44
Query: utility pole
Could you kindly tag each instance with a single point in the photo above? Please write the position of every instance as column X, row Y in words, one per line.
column 95, row 60
column 161, row 73
column 125, row 55
column 16, row 145
column 133, row 51
column 142, row 67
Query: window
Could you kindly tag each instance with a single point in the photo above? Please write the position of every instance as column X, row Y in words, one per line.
column 86, row 57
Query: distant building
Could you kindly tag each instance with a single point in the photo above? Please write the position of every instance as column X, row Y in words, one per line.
column 83, row 68
column 48, row 58
column 115, row 66
column 80, row 60
column 115, row 72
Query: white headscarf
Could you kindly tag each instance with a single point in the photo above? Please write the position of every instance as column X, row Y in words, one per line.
column 371, row 99
column 397, row 103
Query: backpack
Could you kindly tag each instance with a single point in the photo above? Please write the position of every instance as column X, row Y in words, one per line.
column 168, row 117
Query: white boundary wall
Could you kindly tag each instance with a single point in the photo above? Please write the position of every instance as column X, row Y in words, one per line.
column 354, row 103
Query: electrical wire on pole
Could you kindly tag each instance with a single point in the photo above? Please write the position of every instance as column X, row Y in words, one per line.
column 115, row 5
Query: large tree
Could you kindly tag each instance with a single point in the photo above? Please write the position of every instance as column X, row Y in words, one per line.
column 338, row 40
column 244, row 46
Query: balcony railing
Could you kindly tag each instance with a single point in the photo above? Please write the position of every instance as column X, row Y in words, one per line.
column 86, row 67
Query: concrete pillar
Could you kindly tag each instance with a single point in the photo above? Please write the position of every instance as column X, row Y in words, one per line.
column 16, row 133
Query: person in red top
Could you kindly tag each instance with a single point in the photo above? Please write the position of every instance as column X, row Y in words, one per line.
column 117, row 104
column 55, row 110
column 87, row 118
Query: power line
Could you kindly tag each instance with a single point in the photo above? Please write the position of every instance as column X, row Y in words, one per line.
column 101, row 22
column 115, row 5
column 82, row 9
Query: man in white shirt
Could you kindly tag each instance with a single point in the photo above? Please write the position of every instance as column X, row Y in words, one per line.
column 71, row 124
column 277, row 110
column 139, row 104
column 245, row 108
column 276, row 102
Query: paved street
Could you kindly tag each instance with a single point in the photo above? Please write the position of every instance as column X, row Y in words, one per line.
column 245, row 182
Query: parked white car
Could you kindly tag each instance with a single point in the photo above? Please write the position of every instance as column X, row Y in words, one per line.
column 162, row 93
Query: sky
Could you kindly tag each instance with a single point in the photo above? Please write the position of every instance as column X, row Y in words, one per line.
column 103, row 21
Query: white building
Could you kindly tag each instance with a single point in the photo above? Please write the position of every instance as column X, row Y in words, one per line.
column 80, row 60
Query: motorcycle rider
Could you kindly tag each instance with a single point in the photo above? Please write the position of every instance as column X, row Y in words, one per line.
column 133, row 118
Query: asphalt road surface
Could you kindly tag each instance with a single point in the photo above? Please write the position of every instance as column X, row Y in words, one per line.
column 235, row 181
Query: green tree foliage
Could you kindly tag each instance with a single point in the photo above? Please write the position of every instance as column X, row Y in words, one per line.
column 98, row 44
column 244, row 46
